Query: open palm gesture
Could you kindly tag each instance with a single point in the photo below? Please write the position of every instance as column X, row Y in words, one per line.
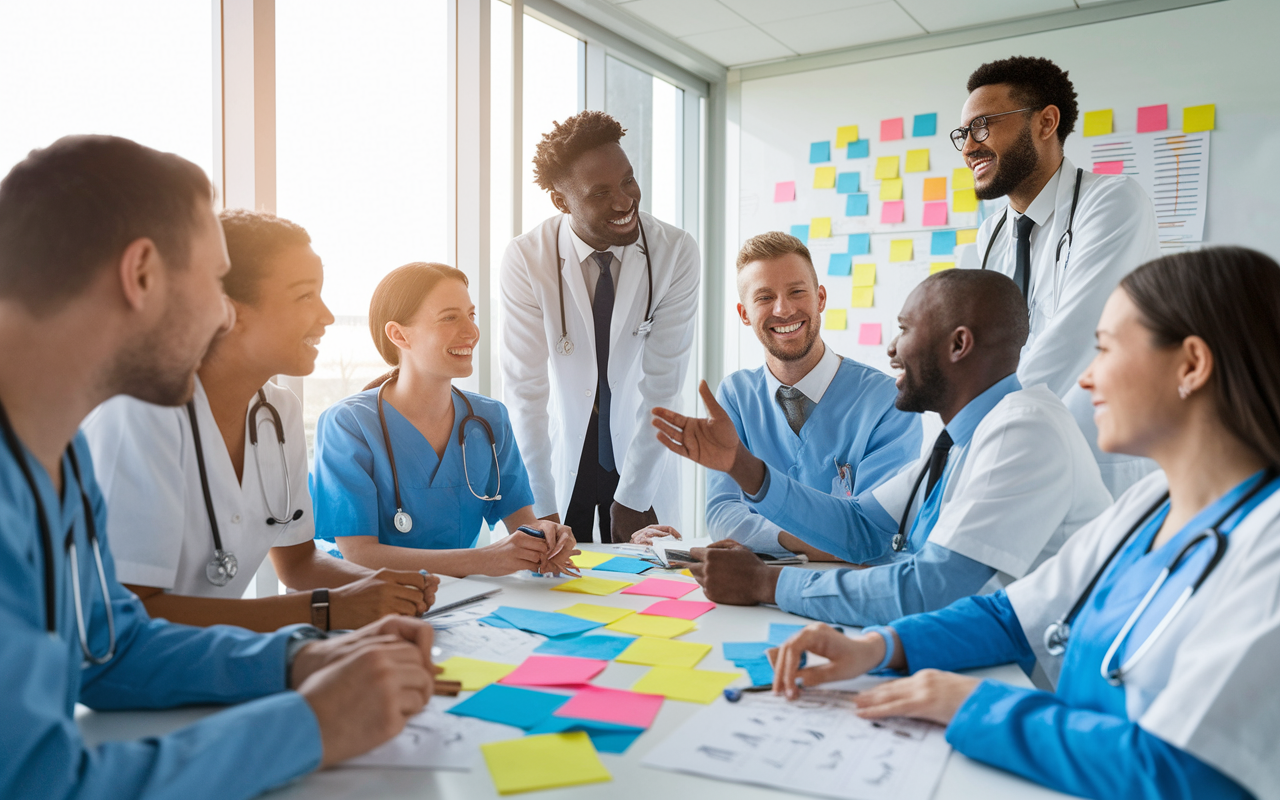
column 712, row 442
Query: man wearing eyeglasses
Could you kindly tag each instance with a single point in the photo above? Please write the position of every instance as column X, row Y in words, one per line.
column 1068, row 235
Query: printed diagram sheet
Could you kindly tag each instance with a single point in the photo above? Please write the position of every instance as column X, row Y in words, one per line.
column 474, row 640
column 1173, row 169
column 436, row 740
column 816, row 745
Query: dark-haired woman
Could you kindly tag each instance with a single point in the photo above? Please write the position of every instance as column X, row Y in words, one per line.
column 1159, row 621
column 408, row 471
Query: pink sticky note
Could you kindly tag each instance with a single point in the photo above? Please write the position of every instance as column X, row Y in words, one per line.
column 784, row 192
column 656, row 587
column 892, row 211
column 869, row 333
column 554, row 671
column 890, row 129
column 618, row 706
column 1108, row 167
column 680, row 609
column 935, row 213
column 1152, row 118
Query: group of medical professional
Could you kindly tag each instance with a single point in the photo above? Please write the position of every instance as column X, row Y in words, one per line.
column 152, row 463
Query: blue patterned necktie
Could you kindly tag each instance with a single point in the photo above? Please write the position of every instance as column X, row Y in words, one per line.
column 602, row 310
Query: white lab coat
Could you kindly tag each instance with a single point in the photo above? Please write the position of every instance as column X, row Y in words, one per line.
column 1207, row 686
column 550, row 395
column 1114, row 233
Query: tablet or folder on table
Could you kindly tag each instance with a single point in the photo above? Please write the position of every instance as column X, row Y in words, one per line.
column 456, row 592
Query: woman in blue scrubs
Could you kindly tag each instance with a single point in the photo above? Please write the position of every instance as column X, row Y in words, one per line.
column 1158, row 621
column 453, row 463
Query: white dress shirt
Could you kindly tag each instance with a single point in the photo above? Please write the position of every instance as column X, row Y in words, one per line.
column 815, row 382
column 591, row 267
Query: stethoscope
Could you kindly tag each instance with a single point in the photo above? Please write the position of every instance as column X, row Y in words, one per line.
column 402, row 520
column 223, row 566
column 564, row 346
column 1063, row 241
column 1058, row 634
column 46, row 544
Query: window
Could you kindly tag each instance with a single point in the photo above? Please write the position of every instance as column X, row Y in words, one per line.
column 650, row 109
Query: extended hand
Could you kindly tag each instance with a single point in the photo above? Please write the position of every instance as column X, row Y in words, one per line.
column 712, row 442
column 387, row 591
column 624, row 521
column 561, row 547
column 929, row 694
column 848, row 658
column 730, row 573
column 647, row 534
column 388, row 630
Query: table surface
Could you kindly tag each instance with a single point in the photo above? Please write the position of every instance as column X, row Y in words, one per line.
column 963, row 778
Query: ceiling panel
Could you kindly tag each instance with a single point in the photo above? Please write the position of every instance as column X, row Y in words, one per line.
column 941, row 15
column 773, row 10
column 739, row 46
column 680, row 18
column 846, row 28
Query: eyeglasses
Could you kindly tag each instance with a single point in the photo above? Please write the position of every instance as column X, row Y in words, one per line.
column 978, row 128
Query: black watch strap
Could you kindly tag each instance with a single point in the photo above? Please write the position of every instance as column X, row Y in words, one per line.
column 320, row 609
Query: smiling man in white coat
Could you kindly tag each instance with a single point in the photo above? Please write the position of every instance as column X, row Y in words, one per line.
column 598, row 310
column 1068, row 235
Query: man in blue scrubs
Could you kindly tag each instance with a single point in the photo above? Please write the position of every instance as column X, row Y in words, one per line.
column 111, row 261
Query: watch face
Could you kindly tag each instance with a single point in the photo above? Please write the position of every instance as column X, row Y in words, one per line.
column 403, row 522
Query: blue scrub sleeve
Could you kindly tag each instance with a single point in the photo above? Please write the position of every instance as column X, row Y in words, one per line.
column 1086, row 753
column 878, row 595
column 516, row 491
column 979, row 631
column 728, row 515
column 343, row 492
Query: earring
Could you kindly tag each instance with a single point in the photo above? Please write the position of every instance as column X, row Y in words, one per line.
column 1184, row 392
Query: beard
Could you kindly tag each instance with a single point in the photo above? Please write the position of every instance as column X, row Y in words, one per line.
column 798, row 350
column 160, row 366
column 924, row 387
column 1013, row 167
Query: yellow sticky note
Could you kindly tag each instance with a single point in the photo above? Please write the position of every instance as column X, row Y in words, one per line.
column 864, row 274
column 686, row 571
column 886, row 167
column 653, row 652
column 605, row 614
column 1097, row 123
column 597, row 586
column 846, row 134
column 901, row 250
column 646, row 625
column 918, row 160
column 834, row 319
column 682, row 683
column 961, row 178
column 966, row 236
column 820, row 228
column 1198, row 118
column 824, row 178
column 935, row 189
column 589, row 558
column 863, row 297
column 939, row 266
column 964, row 200
column 474, row 674
column 891, row 189
column 543, row 762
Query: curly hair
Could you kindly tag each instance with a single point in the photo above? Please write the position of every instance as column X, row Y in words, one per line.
column 254, row 238
column 1033, row 82
column 568, row 140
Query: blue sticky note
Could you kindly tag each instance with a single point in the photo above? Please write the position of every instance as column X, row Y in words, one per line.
column 848, row 182
column 604, row 648
column 801, row 232
column 925, row 125
column 744, row 651
column 819, row 152
column 633, row 566
column 943, row 243
column 510, row 705
column 606, row 736
column 779, row 632
column 759, row 670
column 856, row 206
column 859, row 244
column 859, row 149
column 494, row 621
column 545, row 622
column 840, row 264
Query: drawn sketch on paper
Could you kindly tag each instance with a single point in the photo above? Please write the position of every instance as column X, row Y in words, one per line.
column 436, row 740
column 474, row 640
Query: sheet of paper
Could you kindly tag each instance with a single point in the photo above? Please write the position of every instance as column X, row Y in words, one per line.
column 935, row 213
column 657, row 587
column 934, row 189
column 862, row 297
column 819, row 152
column 625, row 564
column 835, row 319
column 485, row 643
column 886, row 167
column 966, row 236
column 605, row 736
column 589, row 585
column 963, row 201
column 817, row 745
column 848, row 182
column 824, row 178
column 942, row 243
column 864, row 275
column 494, row 621
column 918, row 160
column 598, row 646
column 924, row 125
column 779, row 632
column 890, row 129
column 664, row 627
column 892, row 211
column 784, row 192
column 509, row 705
column 684, row 683
column 545, row 623
column 462, row 616
column 619, row 706
column 590, row 559
column 1173, row 169
column 901, row 250
column 679, row 609
column 744, row 651
column 856, row 205
column 839, row 264
column 544, row 762
column 801, row 232
column 602, row 614
column 820, row 228
column 1097, row 123
column 1153, row 118
column 939, row 266
column 859, row 244
column 846, row 134
column 891, row 189
column 858, row 149
column 1108, row 167
column 653, row 652
column 1198, row 118
column 961, row 178
column 473, row 673
column 869, row 333
column 434, row 739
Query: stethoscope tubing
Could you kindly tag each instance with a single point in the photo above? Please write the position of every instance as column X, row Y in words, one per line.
column 564, row 345
column 1063, row 241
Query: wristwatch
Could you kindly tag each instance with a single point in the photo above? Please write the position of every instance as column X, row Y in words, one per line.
column 320, row 609
column 300, row 638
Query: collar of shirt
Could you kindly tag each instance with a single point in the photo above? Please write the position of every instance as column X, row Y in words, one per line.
column 584, row 250
column 1041, row 209
column 963, row 424
column 814, row 384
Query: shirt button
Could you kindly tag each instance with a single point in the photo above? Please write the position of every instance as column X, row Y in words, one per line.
column 587, row 393
column 235, row 518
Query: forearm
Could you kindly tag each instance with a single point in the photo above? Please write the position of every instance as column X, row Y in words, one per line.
column 856, row 530
column 972, row 632
column 729, row 517
column 313, row 569
column 263, row 614
column 375, row 555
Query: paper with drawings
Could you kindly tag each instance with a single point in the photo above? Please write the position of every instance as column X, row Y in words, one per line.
column 815, row 745
column 436, row 740
column 473, row 640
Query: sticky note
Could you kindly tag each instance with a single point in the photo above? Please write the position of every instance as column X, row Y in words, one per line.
column 494, row 621
column 856, row 206
column 935, row 189
column 819, row 152
column 589, row 559
column 858, row 149
column 839, row 264
column 784, row 192
column 618, row 706
column 891, row 189
column 961, row 178
column 683, row 683
column 545, row 623
column 834, row 319
column 779, row 632
column 963, row 201
column 681, row 609
column 653, row 652
column 801, row 232
column 543, row 762
column 848, row 182
column 605, row 736
column 602, row 614
column 1153, row 118
column 846, row 134
column 824, row 178
column 892, row 211
column 596, row 646
column 1108, row 167
column 886, row 167
column 662, row 627
column 917, row 161
column 869, row 333
column 935, row 213
column 509, row 705
column 890, row 129
column 820, row 228
column 759, row 671
column 859, row 244
column 547, row 670
column 1198, row 118
column 473, row 673
column 942, row 243
column 1097, row 123
column 744, row 651
column 864, row 275
column 863, row 297
column 924, row 125
column 901, row 250
column 596, row 586
column 657, row 587
column 632, row 566
column 967, row 236
column 939, row 266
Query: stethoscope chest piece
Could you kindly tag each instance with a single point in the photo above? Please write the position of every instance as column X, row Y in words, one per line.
column 222, row 567
column 565, row 345
column 403, row 522
column 1055, row 638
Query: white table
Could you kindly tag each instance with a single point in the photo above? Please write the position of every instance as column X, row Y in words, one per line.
column 963, row 779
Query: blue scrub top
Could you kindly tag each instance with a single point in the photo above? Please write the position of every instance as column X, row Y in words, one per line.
column 352, row 489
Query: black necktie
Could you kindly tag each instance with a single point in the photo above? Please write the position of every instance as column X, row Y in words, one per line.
column 1022, row 266
column 792, row 401
column 602, row 310
column 938, row 460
